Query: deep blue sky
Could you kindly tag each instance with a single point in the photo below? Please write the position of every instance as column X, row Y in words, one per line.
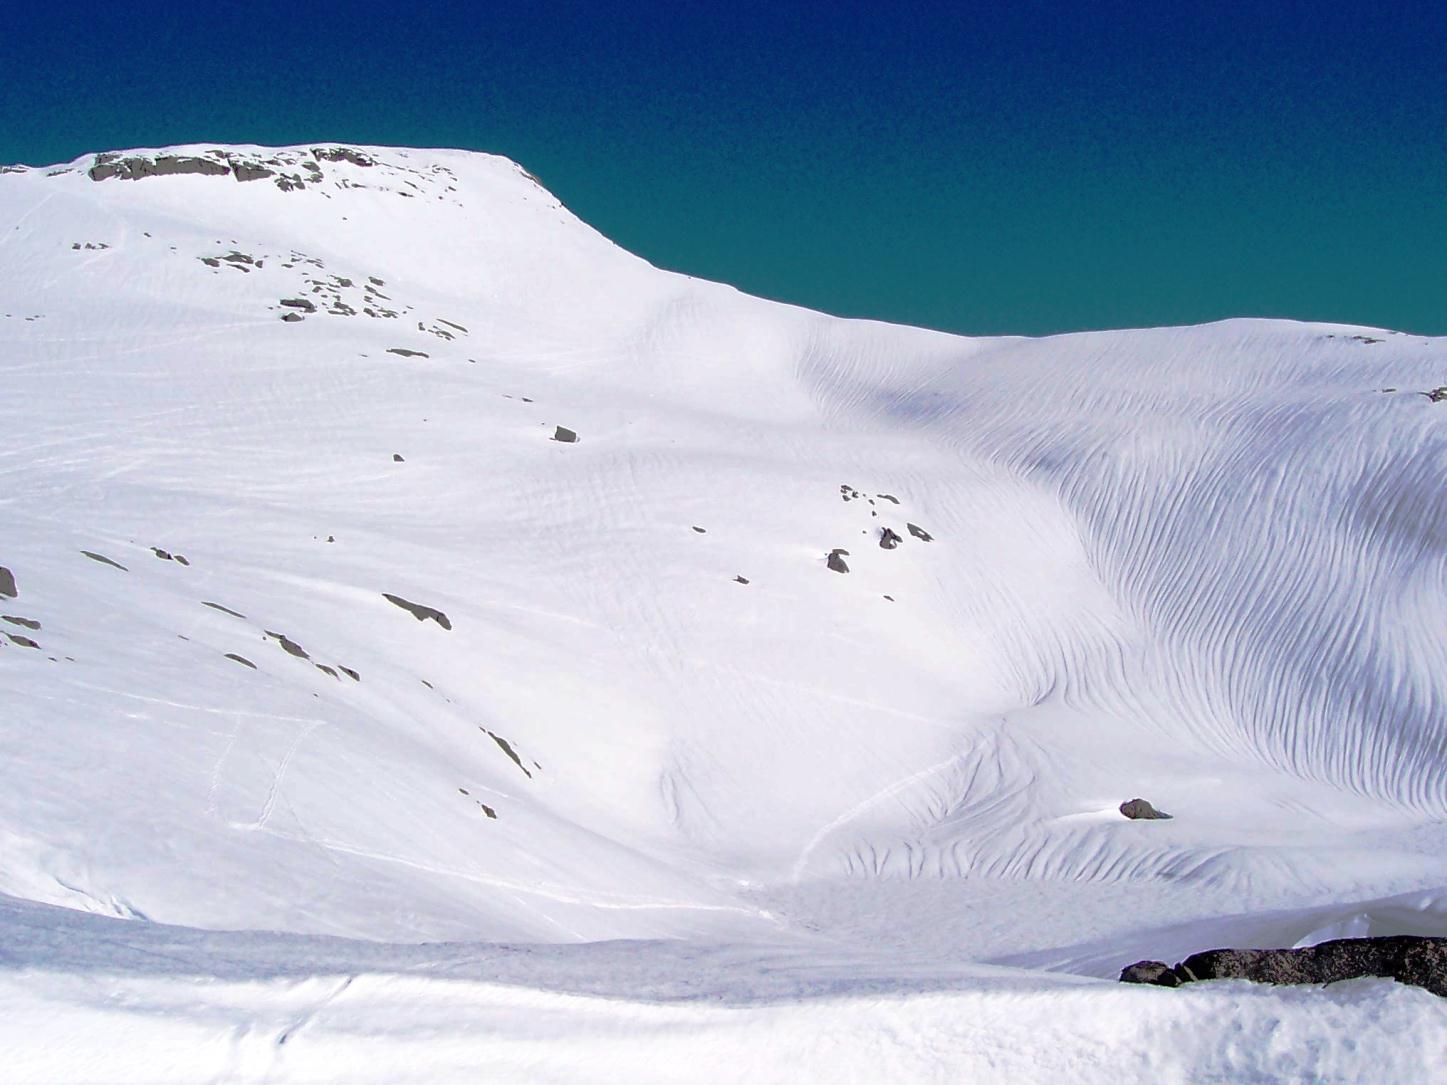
column 1011, row 167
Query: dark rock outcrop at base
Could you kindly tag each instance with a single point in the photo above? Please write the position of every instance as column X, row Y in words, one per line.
column 920, row 533
column 836, row 561
column 1157, row 973
column 565, row 435
column 8, row 590
column 1140, row 810
column 418, row 611
column 889, row 539
column 1416, row 961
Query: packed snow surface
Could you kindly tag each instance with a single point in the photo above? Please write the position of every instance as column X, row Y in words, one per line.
column 437, row 642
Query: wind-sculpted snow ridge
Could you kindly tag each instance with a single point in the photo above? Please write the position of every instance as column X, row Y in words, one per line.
column 389, row 556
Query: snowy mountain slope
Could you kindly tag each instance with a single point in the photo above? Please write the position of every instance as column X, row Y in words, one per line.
column 319, row 628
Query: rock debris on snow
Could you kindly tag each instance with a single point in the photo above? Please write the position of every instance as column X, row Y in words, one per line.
column 418, row 610
column 104, row 560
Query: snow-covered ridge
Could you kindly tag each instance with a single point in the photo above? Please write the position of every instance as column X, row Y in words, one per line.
column 825, row 633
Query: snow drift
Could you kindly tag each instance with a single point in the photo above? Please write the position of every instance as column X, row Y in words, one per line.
column 321, row 626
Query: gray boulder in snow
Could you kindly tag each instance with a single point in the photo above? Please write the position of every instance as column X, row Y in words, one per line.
column 1140, row 810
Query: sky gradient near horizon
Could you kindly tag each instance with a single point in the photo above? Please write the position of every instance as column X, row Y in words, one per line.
column 983, row 168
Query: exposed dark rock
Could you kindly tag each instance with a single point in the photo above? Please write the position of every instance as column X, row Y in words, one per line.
column 488, row 810
column 13, row 619
column 247, row 171
column 224, row 610
column 836, row 560
column 405, row 353
column 353, row 675
column 162, row 554
column 105, row 560
column 1419, row 962
column 507, row 749
column 241, row 659
column 291, row 318
column 700, row 530
column 418, row 611
column 1140, row 810
column 138, row 166
column 397, row 458
column 1436, row 395
column 23, row 642
column 888, row 497
column 342, row 154
column 449, row 323
column 7, row 584
column 890, row 598
column 741, row 580
column 1154, row 972
column 289, row 645
column 328, row 670
column 564, row 434
column 888, row 539
column 920, row 533
column 299, row 303
column 180, row 559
